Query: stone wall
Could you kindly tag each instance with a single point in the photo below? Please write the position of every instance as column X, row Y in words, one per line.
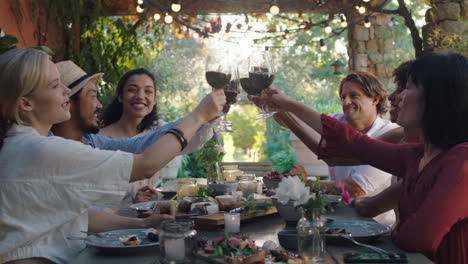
column 370, row 48
column 446, row 26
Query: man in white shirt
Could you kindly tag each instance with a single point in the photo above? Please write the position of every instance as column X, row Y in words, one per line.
column 363, row 99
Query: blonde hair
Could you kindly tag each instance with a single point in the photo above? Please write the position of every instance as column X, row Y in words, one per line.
column 22, row 71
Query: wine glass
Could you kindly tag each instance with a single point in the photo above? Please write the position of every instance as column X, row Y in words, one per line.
column 260, row 77
column 218, row 74
column 231, row 91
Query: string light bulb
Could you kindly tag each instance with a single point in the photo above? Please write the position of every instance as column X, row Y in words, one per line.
column 206, row 40
column 176, row 6
column 274, row 8
column 323, row 47
column 168, row 18
column 366, row 1
column 367, row 22
column 140, row 2
column 156, row 16
column 361, row 9
column 343, row 23
column 195, row 35
column 139, row 9
column 286, row 34
column 328, row 29
column 284, row 41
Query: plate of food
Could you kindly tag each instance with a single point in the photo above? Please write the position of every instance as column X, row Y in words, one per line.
column 361, row 231
column 124, row 239
column 242, row 250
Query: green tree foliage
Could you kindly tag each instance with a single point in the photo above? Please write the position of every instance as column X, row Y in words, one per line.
column 115, row 45
column 246, row 126
column 7, row 42
column 179, row 71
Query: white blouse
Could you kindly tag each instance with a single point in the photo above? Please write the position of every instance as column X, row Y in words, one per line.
column 46, row 186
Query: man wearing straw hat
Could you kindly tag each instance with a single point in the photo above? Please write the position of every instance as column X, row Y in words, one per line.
column 84, row 106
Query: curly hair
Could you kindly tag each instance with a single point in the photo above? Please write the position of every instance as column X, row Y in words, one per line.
column 401, row 73
column 113, row 112
column 372, row 87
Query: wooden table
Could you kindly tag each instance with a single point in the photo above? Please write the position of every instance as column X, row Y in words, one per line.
column 260, row 230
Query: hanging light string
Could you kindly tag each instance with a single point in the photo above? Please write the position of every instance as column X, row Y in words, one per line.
column 303, row 25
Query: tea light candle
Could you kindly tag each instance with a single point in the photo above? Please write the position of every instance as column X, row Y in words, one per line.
column 232, row 222
column 174, row 249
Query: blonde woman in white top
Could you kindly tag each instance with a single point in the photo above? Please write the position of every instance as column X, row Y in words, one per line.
column 47, row 183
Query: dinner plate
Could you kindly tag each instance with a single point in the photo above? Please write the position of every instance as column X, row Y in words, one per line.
column 146, row 206
column 362, row 231
column 110, row 240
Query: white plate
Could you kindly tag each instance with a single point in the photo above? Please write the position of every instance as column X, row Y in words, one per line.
column 110, row 240
column 145, row 206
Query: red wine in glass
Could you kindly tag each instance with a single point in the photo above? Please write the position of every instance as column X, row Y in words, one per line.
column 217, row 80
column 260, row 80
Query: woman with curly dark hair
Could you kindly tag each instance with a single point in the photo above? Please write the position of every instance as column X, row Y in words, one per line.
column 133, row 112
column 133, row 109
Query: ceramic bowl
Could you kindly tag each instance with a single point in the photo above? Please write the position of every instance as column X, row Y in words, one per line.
column 287, row 211
column 288, row 238
column 271, row 184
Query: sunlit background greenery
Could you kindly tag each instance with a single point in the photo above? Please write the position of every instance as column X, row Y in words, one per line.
column 302, row 71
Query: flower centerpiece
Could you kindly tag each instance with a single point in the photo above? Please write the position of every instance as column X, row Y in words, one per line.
column 291, row 193
column 212, row 153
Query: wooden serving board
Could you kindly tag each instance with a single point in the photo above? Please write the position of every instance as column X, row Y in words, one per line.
column 216, row 221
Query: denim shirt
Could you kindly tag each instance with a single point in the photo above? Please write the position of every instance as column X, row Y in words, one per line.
column 135, row 145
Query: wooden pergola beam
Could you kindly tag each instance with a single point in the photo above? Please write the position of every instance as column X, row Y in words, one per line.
column 197, row 7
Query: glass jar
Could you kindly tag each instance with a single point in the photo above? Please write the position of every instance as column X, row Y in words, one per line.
column 230, row 172
column 177, row 241
column 213, row 173
column 311, row 237
column 186, row 187
column 247, row 183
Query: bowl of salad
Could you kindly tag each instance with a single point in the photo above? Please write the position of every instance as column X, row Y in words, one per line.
column 272, row 179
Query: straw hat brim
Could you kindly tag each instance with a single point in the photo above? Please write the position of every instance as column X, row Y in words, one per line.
column 95, row 77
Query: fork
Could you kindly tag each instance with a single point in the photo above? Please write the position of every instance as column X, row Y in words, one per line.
column 376, row 249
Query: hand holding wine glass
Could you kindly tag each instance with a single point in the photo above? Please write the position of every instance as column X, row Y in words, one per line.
column 274, row 100
column 259, row 77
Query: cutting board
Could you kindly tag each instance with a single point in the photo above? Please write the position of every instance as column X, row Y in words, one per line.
column 216, row 221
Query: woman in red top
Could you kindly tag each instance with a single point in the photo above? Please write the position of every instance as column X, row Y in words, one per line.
column 434, row 202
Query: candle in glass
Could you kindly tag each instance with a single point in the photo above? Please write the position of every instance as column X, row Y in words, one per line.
column 232, row 222
column 174, row 249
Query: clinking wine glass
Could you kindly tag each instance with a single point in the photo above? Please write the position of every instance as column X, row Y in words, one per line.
column 218, row 74
column 260, row 77
column 231, row 91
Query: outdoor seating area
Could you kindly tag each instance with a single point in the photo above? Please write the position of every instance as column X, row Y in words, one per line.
column 233, row 131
